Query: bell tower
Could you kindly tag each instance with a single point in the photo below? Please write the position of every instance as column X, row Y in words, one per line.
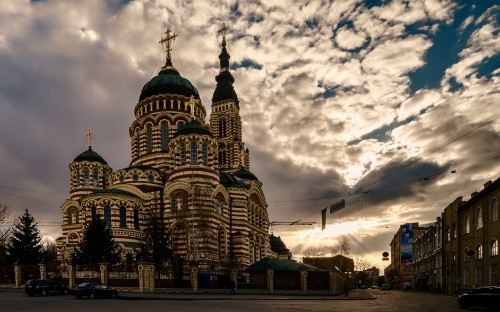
column 225, row 120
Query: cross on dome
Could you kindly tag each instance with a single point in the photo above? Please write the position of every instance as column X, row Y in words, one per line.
column 167, row 41
column 223, row 31
column 89, row 135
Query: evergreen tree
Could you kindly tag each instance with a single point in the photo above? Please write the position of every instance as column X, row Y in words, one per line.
column 97, row 245
column 24, row 245
column 157, row 240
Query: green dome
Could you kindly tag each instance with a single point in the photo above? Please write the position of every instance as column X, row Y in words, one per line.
column 192, row 128
column 168, row 81
column 90, row 155
column 245, row 174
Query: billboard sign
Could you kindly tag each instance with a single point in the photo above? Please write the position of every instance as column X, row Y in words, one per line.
column 406, row 244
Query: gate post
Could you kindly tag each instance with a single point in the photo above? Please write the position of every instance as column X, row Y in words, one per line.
column 103, row 267
column 270, row 281
column 194, row 276
column 146, row 277
column 71, row 276
column 17, row 276
column 43, row 270
column 303, row 280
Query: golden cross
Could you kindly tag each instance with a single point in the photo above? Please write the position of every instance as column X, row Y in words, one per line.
column 167, row 40
column 89, row 138
column 223, row 31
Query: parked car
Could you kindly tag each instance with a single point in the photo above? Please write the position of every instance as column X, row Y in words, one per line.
column 92, row 290
column 385, row 287
column 481, row 297
column 375, row 287
column 45, row 287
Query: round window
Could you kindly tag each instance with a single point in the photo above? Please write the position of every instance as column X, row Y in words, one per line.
column 121, row 178
column 151, row 177
column 135, row 177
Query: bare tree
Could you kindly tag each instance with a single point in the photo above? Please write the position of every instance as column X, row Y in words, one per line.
column 363, row 265
column 313, row 252
column 4, row 226
column 342, row 248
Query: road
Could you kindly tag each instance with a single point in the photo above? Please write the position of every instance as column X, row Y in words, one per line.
column 16, row 300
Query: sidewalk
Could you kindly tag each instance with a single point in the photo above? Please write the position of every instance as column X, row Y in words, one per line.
column 355, row 294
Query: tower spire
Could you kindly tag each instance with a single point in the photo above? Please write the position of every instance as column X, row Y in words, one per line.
column 167, row 41
column 222, row 31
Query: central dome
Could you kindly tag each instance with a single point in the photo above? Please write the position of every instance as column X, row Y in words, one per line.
column 168, row 81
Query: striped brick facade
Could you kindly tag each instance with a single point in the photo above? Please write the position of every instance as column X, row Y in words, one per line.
column 197, row 175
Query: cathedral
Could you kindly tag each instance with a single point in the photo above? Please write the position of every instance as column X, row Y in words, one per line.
column 195, row 175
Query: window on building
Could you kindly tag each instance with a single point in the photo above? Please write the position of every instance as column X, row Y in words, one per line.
column 494, row 247
column 183, row 154
column 173, row 204
column 466, row 224
column 77, row 178
column 76, row 217
column 194, row 153
column 479, row 218
column 204, row 153
column 466, row 277
column 454, row 230
column 86, row 177
column 95, row 177
column 184, row 202
column 479, row 276
column 107, row 215
column 137, row 142
column 136, row 218
column 479, row 251
column 494, row 210
column 149, row 138
column 123, row 217
column 448, row 234
column 164, row 136
column 493, row 274
column 69, row 217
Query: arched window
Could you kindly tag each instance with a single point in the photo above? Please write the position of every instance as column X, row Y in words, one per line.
column 149, row 138
column 77, row 178
column 479, row 251
column 95, row 177
column 494, row 210
column 76, row 217
column 173, row 204
column 86, row 177
column 137, row 142
column 493, row 247
column 204, row 153
column 93, row 213
column 164, row 136
column 123, row 217
column 479, row 218
column 136, row 218
column 466, row 224
column 107, row 215
column 221, row 239
column 194, row 153
column 69, row 217
column 183, row 154
column 222, row 128
column 184, row 202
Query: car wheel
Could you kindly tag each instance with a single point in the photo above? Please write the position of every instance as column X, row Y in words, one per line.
column 113, row 295
column 92, row 296
column 44, row 293
column 65, row 292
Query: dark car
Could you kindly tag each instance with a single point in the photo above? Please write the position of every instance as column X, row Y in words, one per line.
column 92, row 290
column 481, row 297
column 45, row 287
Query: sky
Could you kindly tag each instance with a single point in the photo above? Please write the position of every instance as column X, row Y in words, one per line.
column 389, row 105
